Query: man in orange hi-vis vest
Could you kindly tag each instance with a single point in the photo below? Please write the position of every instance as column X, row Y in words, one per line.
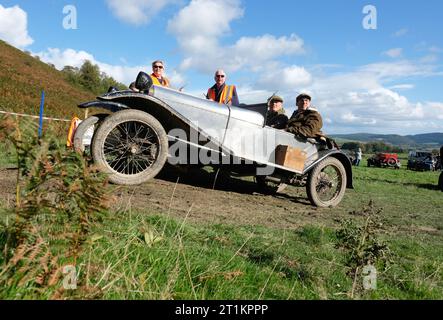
column 221, row 92
column 157, row 76
column 71, row 132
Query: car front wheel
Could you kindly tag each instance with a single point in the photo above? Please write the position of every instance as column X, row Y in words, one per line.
column 327, row 183
column 131, row 146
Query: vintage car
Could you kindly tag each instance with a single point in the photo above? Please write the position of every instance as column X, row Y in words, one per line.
column 142, row 130
column 421, row 161
column 384, row 160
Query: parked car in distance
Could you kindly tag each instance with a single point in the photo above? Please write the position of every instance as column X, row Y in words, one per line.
column 385, row 160
column 421, row 161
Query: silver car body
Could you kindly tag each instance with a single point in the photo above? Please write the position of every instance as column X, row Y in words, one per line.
column 241, row 133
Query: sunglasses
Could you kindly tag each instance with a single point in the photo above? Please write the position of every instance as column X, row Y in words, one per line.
column 220, row 76
column 159, row 67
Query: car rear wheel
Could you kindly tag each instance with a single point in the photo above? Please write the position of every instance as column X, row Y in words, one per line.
column 327, row 183
column 131, row 146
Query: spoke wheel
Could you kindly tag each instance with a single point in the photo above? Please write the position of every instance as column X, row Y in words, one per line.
column 327, row 183
column 131, row 146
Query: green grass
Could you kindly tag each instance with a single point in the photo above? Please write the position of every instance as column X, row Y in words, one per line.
column 146, row 255
column 217, row 262
column 183, row 261
column 7, row 155
column 408, row 198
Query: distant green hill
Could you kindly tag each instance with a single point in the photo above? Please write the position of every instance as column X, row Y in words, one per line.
column 428, row 139
column 23, row 77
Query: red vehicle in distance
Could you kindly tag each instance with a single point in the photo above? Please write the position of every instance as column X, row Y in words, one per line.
column 385, row 160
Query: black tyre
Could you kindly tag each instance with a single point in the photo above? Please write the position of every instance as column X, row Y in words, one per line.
column 327, row 183
column 440, row 182
column 85, row 131
column 131, row 146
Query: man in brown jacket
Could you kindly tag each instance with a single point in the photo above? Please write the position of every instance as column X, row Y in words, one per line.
column 305, row 122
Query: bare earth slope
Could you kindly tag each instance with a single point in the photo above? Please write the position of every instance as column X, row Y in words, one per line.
column 238, row 202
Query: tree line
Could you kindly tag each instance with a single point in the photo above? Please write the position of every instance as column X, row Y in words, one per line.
column 373, row 147
column 89, row 77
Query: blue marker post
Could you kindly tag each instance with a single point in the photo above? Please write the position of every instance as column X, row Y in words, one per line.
column 40, row 125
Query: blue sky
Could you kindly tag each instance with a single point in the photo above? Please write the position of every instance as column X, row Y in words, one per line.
column 383, row 80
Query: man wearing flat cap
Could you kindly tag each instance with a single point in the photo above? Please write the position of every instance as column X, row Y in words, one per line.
column 276, row 116
column 305, row 122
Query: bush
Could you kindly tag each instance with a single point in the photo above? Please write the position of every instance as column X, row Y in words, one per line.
column 58, row 200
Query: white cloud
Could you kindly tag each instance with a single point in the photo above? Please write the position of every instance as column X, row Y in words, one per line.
column 402, row 87
column 198, row 28
column 400, row 33
column 68, row 57
column 199, row 39
column 394, row 53
column 121, row 73
column 14, row 26
column 267, row 47
column 404, row 68
column 359, row 101
column 250, row 94
column 205, row 19
column 177, row 79
column 137, row 12
column 435, row 108
column 349, row 117
column 286, row 79
column 367, row 106
column 430, row 58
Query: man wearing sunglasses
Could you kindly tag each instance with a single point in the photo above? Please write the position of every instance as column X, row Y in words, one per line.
column 157, row 76
column 221, row 92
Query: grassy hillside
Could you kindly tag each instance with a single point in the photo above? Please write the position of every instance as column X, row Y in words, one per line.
column 428, row 138
column 22, row 78
column 367, row 137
